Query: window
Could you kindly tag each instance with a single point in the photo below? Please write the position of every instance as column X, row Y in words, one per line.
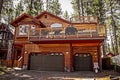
column 56, row 25
column 1, row 35
column 23, row 29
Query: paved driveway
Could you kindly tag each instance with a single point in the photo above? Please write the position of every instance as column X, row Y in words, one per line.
column 40, row 75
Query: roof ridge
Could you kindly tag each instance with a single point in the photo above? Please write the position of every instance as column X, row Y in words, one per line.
column 45, row 12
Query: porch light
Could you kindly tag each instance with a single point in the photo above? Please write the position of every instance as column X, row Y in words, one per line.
column 25, row 52
column 67, row 52
column 95, row 54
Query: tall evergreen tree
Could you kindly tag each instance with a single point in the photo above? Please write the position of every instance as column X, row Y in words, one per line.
column 19, row 9
column 113, row 11
column 66, row 15
column 33, row 7
column 1, row 6
column 7, row 11
column 97, row 8
column 54, row 7
column 80, row 7
column 49, row 5
column 76, row 7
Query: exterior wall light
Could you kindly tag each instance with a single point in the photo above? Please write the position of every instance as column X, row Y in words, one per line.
column 25, row 52
column 67, row 52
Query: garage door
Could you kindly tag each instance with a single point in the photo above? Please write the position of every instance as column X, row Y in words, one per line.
column 47, row 62
column 82, row 62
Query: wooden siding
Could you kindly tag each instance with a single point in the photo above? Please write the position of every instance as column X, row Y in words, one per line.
column 63, row 48
column 44, row 48
column 51, row 20
column 86, row 26
column 19, row 38
column 86, row 40
column 92, row 50
column 84, row 30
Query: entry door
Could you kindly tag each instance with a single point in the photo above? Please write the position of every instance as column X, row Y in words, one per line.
column 47, row 62
column 82, row 62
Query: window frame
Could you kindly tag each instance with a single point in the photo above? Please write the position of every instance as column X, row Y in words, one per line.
column 26, row 30
column 54, row 25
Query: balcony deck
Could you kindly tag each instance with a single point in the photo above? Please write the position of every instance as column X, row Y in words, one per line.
column 71, row 33
column 84, row 19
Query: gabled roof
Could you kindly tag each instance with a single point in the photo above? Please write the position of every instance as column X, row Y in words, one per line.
column 6, row 27
column 21, row 17
column 45, row 12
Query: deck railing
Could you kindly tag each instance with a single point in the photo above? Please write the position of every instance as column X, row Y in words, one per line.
column 12, row 63
column 65, row 33
column 8, row 63
column 84, row 19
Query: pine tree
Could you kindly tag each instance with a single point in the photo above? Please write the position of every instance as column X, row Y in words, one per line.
column 38, row 7
column 49, row 5
column 7, row 10
column 1, row 6
column 54, row 7
column 33, row 7
column 113, row 7
column 66, row 15
column 19, row 9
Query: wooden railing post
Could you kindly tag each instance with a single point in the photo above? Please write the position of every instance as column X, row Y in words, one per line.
column 64, row 33
column 39, row 33
column 28, row 34
column 19, row 62
column 91, row 32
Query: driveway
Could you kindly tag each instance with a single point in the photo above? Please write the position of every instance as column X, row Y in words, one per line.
column 44, row 75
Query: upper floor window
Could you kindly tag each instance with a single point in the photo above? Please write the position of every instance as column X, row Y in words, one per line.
column 23, row 29
column 56, row 25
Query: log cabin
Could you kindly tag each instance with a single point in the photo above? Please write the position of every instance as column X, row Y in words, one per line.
column 50, row 43
column 6, row 40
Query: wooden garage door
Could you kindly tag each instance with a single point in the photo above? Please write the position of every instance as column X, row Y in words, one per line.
column 47, row 62
column 82, row 62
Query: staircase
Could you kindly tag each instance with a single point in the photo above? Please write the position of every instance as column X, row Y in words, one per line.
column 12, row 63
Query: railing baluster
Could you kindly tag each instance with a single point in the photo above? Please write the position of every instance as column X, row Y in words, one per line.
column 28, row 34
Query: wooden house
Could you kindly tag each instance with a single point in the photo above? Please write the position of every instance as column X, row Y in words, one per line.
column 6, row 40
column 50, row 43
